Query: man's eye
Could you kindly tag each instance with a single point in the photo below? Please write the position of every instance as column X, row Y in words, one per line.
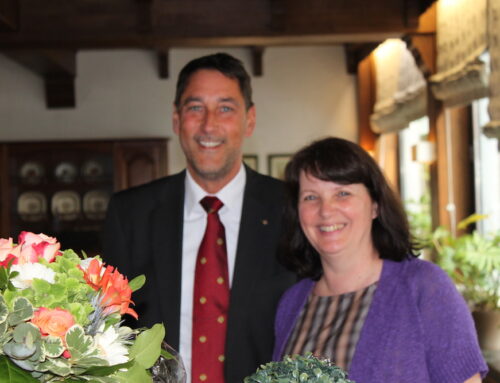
column 343, row 193
column 226, row 108
column 194, row 108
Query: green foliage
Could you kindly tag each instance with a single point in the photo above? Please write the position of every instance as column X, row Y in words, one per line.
column 9, row 373
column 27, row 355
column 298, row 369
column 136, row 283
column 146, row 349
column 472, row 261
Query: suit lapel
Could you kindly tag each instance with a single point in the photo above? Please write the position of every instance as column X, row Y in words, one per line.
column 166, row 223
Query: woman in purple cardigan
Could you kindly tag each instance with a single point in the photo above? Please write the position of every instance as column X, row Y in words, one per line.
column 366, row 302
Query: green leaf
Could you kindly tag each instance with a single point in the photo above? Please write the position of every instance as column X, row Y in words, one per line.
column 79, row 344
column 146, row 348
column 58, row 366
column 19, row 350
column 52, row 346
column 473, row 218
column 4, row 310
column 26, row 333
column 107, row 370
column 134, row 374
column 136, row 283
column 10, row 373
column 21, row 312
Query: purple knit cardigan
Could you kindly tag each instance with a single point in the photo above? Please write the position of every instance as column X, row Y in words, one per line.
column 418, row 328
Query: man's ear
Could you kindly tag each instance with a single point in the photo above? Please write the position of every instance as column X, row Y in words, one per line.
column 176, row 120
column 251, row 119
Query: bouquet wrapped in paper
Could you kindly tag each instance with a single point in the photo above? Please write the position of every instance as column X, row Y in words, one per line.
column 299, row 368
column 61, row 318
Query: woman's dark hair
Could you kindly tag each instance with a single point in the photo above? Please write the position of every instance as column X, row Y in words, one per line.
column 344, row 162
column 222, row 62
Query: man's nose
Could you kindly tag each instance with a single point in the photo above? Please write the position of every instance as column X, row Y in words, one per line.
column 209, row 121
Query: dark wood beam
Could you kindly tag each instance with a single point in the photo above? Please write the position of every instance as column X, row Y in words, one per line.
column 145, row 16
column 58, row 68
column 88, row 24
column 163, row 64
column 355, row 53
column 257, row 62
column 9, row 14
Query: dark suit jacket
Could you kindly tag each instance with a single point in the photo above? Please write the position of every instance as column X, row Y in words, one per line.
column 143, row 235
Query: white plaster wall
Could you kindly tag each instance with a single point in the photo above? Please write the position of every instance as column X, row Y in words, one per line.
column 304, row 94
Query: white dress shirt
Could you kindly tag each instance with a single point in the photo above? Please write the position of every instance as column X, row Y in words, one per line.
column 195, row 221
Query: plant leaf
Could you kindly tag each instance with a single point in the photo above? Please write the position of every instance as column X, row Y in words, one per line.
column 146, row 349
column 10, row 373
column 136, row 283
column 134, row 374
column 22, row 311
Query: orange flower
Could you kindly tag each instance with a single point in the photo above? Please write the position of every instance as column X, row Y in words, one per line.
column 92, row 274
column 115, row 292
column 54, row 322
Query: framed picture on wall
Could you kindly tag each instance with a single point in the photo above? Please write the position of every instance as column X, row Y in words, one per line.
column 276, row 164
column 252, row 161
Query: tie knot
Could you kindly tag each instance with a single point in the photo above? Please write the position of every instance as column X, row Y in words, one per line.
column 211, row 204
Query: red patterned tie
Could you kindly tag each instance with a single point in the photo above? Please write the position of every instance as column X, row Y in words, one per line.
column 210, row 300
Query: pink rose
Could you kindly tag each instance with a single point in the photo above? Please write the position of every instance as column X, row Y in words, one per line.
column 54, row 322
column 8, row 251
column 35, row 246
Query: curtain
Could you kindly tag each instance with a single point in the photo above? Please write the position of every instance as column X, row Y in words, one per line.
column 461, row 38
column 492, row 129
column 401, row 88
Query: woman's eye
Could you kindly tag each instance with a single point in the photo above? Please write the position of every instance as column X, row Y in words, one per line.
column 309, row 198
column 343, row 193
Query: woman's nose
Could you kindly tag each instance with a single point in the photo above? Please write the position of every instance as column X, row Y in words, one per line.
column 327, row 207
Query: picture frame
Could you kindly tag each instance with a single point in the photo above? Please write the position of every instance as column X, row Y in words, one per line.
column 276, row 164
column 252, row 160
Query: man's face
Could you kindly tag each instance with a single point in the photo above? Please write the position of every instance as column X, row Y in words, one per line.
column 212, row 122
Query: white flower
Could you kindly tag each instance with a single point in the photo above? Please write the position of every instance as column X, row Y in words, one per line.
column 111, row 346
column 30, row 271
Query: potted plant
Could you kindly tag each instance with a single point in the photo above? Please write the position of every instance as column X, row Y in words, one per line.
column 472, row 260
column 298, row 368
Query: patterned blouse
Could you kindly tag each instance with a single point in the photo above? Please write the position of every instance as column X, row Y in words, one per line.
column 329, row 326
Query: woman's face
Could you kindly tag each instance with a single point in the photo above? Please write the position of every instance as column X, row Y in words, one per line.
column 335, row 218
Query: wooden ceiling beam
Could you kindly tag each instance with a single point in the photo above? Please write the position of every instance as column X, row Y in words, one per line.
column 163, row 64
column 257, row 61
column 86, row 24
column 58, row 69
column 9, row 12
column 355, row 53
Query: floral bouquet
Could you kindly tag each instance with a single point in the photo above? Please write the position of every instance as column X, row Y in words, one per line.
column 61, row 318
column 298, row 368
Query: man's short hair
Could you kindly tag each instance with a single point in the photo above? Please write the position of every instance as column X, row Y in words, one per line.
column 226, row 64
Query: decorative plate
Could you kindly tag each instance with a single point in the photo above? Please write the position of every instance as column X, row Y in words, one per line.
column 95, row 203
column 66, row 172
column 32, row 172
column 92, row 170
column 32, row 206
column 66, row 205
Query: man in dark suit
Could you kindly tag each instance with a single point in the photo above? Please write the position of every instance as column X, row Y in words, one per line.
column 156, row 229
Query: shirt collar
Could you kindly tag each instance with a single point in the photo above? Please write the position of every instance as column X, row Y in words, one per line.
column 231, row 195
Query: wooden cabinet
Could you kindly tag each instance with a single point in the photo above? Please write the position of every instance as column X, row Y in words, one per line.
column 61, row 188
